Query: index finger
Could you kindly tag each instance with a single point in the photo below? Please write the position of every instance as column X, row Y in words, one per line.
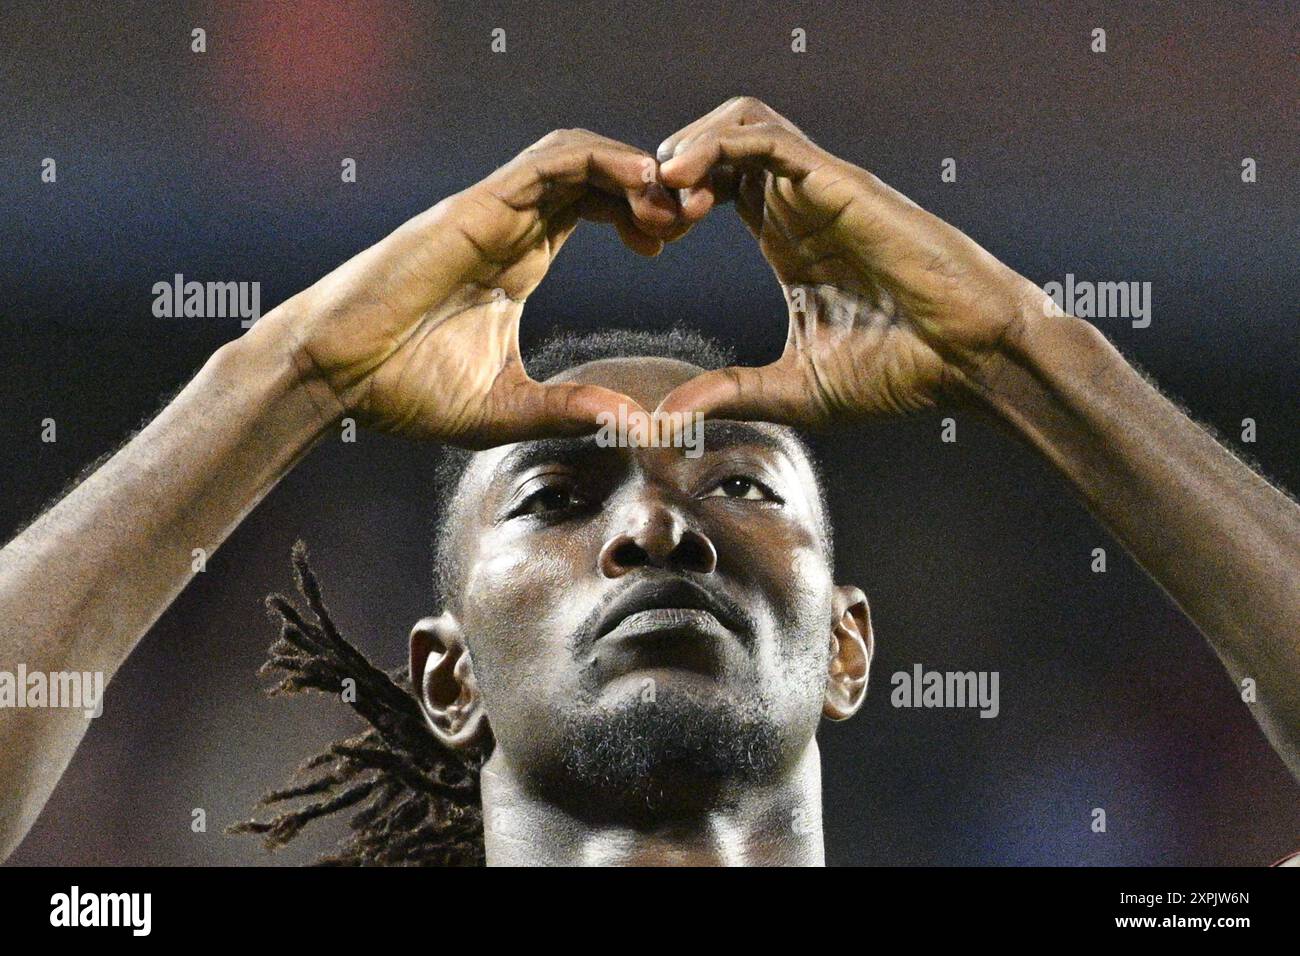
column 563, row 165
column 737, row 111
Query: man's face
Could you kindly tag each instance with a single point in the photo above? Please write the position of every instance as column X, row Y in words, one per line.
column 642, row 624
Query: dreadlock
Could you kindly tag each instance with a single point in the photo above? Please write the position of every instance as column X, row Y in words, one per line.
column 418, row 801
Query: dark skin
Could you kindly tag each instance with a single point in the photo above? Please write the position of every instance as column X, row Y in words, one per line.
column 549, row 540
column 891, row 310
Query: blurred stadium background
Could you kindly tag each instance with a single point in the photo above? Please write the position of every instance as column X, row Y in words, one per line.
column 1123, row 166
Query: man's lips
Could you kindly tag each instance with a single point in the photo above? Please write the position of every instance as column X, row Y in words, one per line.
column 670, row 604
column 667, row 620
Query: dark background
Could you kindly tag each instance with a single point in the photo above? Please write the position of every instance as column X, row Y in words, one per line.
column 1123, row 166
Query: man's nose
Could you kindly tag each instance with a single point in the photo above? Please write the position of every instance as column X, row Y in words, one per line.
column 657, row 535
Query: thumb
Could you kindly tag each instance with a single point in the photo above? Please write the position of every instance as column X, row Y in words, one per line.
column 768, row 393
column 566, row 409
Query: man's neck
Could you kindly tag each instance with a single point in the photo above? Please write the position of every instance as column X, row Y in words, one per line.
column 774, row 825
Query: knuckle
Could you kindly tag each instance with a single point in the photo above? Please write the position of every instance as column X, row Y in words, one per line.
column 749, row 104
column 554, row 138
column 707, row 136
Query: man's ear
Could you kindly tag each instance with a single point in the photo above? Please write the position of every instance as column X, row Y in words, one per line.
column 851, row 648
column 443, row 677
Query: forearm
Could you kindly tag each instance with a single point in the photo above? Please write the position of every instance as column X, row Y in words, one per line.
column 1217, row 537
column 84, row 582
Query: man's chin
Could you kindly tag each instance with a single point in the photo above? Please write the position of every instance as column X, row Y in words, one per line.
column 669, row 743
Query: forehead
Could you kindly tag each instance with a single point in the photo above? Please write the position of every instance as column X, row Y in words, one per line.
column 646, row 379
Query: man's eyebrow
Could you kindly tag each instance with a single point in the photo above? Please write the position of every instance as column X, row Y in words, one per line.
column 724, row 435
column 544, row 451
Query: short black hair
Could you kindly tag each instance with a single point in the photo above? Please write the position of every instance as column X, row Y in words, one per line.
column 569, row 350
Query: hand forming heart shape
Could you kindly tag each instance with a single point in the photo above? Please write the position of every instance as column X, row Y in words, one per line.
column 891, row 309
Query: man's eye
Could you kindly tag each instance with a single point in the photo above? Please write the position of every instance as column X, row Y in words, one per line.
column 547, row 500
column 746, row 489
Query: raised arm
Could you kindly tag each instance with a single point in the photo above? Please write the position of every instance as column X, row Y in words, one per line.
column 417, row 335
column 892, row 310
column 1220, row 540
